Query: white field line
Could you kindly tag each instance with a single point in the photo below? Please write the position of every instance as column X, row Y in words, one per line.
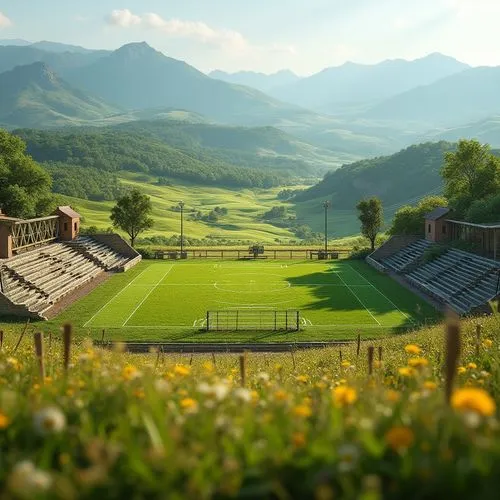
column 359, row 300
column 147, row 295
column 381, row 293
column 115, row 296
column 173, row 327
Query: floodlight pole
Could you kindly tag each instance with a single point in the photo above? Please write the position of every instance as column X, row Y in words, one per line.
column 181, row 205
column 326, row 206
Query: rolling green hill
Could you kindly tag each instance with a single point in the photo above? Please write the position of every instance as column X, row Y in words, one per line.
column 257, row 147
column 33, row 94
column 114, row 151
column 411, row 173
column 485, row 131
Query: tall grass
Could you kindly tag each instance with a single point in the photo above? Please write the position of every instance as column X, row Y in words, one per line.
column 299, row 425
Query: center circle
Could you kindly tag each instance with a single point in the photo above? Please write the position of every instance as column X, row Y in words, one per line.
column 249, row 283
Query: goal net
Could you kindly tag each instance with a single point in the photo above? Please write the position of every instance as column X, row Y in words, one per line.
column 229, row 320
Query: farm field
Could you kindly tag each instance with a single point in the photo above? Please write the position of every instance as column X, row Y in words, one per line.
column 169, row 300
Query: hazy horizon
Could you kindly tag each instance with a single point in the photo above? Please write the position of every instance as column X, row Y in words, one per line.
column 300, row 35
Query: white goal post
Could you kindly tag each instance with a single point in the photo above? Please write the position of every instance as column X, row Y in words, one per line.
column 230, row 320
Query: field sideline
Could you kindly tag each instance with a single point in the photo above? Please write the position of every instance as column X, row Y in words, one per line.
column 168, row 301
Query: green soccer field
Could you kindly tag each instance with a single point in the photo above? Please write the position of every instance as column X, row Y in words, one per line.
column 169, row 301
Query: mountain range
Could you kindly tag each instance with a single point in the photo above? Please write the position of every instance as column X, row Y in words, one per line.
column 34, row 94
column 259, row 81
column 359, row 110
column 354, row 85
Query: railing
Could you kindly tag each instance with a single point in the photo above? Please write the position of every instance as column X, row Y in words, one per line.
column 283, row 254
column 29, row 233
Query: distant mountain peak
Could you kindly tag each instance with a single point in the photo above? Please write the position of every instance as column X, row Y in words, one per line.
column 37, row 72
column 136, row 48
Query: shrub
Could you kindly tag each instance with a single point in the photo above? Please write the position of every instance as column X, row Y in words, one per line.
column 147, row 253
column 360, row 253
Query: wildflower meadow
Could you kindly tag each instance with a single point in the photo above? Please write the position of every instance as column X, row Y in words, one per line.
column 413, row 416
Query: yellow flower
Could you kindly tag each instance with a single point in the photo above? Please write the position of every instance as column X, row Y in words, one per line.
column 406, row 371
column 281, row 395
column 487, row 343
column 472, row 366
column 418, row 362
column 430, row 385
column 475, row 400
column 399, row 438
column 182, row 370
column 14, row 364
column 303, row 411
column 298, row 439
column 302, row 378
column 139, row 393
column 4, row 421
column 413, row 349
column 461, row 369
column 344, row 395
column 130, row 372
column 345, row 364
column 392, row 396
column 189, row 404
column 208, row 366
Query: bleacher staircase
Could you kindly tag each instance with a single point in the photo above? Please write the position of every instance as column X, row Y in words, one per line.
column 31, row 283
column 461, row 280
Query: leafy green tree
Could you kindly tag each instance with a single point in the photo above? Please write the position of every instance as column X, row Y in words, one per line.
column 24, row 185
column 410, row 220
column 371, row 216
column 484, row 211
column 131, row 214
column 470, row 173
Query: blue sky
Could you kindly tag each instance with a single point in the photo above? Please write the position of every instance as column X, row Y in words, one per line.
column 267, row 35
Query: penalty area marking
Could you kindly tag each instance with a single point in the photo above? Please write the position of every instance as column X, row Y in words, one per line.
column 381, row 293
column 114, row 297
column 147, row 295
column 358, row 299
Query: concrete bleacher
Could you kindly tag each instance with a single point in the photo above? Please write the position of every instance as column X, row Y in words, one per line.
column 38, row 279
column 459, row 279
column 99, row 252
column 407, row 256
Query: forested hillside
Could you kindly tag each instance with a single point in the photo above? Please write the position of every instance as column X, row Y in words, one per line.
column 112, row 151
column 410, row 173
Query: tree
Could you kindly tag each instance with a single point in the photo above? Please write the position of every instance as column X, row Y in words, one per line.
column 484, row 211
column 131, row 214
column 470, row 173
column 410, row 220
column 24, row 185
column 371, row 216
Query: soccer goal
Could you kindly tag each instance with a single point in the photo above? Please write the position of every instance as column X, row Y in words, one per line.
column 230, row 320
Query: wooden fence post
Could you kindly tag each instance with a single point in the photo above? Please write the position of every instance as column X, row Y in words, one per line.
column 39, row 354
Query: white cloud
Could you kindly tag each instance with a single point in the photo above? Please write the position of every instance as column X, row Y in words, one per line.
column 5, row 22
column 123, row 18
column 196, row 30
column 227, row 40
